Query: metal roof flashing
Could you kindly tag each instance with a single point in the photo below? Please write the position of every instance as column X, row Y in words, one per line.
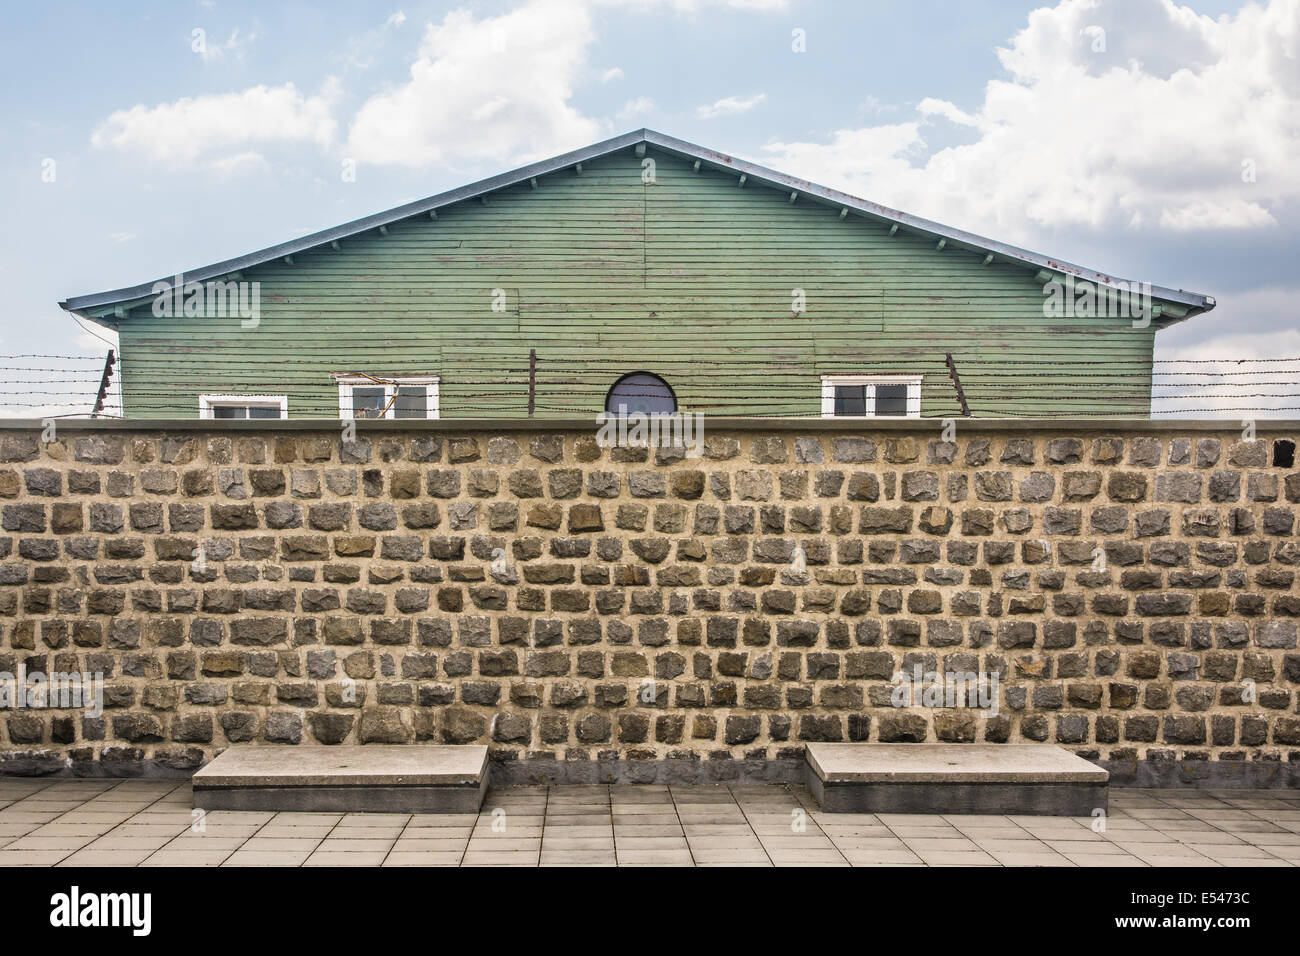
column 109, row 308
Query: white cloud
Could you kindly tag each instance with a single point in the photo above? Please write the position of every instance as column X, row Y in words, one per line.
column 1152, row 132
column 235, row 46
column 239, row 163
column 730, row 106
column 363, row 50
column 216, row 130
column 1242, row 347
column 1228, row 214
column 98, row 341
column 853, row 156
column 78, row 408
column 636, row 107
column 493, row 89
column 942, row 108
column 1248, row 312
column 120, row 237
column 692, row 6
column 872, row 105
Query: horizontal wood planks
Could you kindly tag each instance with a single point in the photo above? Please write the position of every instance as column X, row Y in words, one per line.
column 690, row 277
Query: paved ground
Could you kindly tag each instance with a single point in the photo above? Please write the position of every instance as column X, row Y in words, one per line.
column 149, row 822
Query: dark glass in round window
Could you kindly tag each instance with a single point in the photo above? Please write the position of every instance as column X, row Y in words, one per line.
column 641, row 392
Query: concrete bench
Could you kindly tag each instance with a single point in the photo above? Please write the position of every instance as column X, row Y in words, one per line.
column 955, row 778
column 377, row 778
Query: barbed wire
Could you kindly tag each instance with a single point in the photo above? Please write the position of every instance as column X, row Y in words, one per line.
column 771, row 380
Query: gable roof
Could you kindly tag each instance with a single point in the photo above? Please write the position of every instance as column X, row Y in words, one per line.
column 106, row 308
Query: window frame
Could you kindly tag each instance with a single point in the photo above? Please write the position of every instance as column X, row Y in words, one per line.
column 208, row 402
column 672, row 392
column 430, row 383
column 913, row 383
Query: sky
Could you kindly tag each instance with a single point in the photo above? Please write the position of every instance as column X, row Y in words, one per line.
column 1146, row 138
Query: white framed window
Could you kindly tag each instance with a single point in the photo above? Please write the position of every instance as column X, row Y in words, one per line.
column 871, row 396
column 361, row 397
column 243, row 406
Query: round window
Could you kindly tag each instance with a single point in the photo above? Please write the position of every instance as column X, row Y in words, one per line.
column 640, row 392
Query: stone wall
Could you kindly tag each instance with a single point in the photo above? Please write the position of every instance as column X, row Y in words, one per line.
column 616, row 611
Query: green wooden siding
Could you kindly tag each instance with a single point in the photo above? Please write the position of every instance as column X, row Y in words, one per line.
column 690, row 277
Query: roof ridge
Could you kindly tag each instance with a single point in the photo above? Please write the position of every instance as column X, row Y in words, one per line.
column 102, row 303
